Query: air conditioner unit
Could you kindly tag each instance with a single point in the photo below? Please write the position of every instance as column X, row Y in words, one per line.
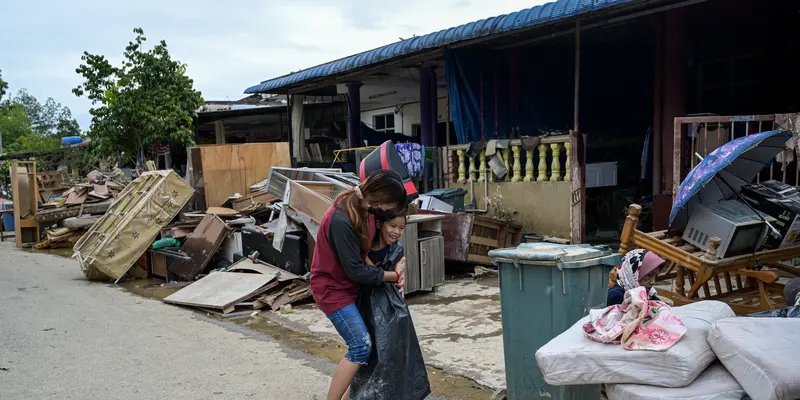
column 739, row 228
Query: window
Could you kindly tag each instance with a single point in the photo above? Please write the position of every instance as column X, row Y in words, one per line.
column 416, row 130
column 383, row 123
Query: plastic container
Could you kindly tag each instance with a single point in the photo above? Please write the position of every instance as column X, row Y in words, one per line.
column 8, row 219
column 70, row 140
column 453, row 196
column 544, row 289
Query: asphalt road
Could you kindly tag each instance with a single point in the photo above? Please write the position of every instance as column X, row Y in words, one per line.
column 62, row 337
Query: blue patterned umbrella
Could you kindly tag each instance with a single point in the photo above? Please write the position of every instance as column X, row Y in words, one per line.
column 722, row 173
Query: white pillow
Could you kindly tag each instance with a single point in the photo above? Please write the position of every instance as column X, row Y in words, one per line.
column 715, row 383
column 572, row 359
column 763, row 354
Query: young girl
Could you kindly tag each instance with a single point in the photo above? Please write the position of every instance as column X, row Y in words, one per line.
column 639, row 268
column 346, row 233
column 386, row 250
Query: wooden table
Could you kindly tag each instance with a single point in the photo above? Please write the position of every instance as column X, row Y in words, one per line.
column 424, row 252
column 759, row 291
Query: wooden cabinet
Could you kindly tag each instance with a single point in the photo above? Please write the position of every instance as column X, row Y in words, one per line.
column 424, row 252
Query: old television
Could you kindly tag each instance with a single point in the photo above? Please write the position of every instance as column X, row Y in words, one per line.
column 740, row 229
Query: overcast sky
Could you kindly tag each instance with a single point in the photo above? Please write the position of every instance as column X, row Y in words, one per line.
column 228, row 45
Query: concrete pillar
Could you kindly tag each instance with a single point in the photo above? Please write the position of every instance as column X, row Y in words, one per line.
column 434, row 109
column 425, row 106
column 674, row 89
column 219, row 131
column 354, row 114
column 298, row 128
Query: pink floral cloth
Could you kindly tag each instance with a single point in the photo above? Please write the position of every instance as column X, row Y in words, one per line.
column 637, row 323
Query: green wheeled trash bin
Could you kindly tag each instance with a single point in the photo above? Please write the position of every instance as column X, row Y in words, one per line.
column 544, row 289
column 452, row 196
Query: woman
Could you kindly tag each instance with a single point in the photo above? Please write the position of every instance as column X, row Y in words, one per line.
column 346, row 234
column 639, row 268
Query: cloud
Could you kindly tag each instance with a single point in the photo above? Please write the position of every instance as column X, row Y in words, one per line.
column 227, row 46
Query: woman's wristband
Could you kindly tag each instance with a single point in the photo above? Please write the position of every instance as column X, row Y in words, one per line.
column 397, row 274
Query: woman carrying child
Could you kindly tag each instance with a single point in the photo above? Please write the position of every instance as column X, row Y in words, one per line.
column 346, row 234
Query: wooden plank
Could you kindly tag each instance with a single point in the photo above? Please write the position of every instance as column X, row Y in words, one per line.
column 220, row 290
column 229, row 169
column 260, row 197
column 484, row 241
column 306, row 201
column 247, row 264
column 201, row 246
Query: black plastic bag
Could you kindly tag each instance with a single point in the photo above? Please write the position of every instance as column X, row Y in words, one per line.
column 396, row 369
column 787, row 312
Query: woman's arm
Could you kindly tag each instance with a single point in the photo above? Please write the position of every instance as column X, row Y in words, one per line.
column 344, row 240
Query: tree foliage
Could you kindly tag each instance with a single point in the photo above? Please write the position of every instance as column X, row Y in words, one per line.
column 146, row 100
column 49, row 118
column 3, row 86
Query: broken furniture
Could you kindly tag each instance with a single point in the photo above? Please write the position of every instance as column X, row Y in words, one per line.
column 126, row 230
column 249, row 285
column 52, row 182
column 424, row 252
column 25, row 192
column 220, row 171
column 221, row 290
column 734, row 279
column 469, row 238
column 200, row 246
column 293, row 256
column 278, row 178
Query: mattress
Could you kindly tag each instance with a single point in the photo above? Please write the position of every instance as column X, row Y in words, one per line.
column 763, row 354
column 572, row 359
column 715, row 383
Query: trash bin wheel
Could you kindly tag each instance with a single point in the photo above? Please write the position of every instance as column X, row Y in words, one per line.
column 500, row 394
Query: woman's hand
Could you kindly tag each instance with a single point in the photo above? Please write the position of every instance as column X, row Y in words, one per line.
column 400, row 269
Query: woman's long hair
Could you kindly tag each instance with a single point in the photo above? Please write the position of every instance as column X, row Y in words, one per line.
column 382, row 187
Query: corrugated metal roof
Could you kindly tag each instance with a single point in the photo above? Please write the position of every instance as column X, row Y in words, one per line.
column 486, row 27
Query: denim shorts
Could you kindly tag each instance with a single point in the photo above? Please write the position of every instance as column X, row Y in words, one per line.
column 351, row 328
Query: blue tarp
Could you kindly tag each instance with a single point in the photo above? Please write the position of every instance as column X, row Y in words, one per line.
column 495, row 92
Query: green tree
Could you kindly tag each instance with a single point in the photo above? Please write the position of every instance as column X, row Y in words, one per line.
column 148, row 99
column 50, row 118
column 3, row 86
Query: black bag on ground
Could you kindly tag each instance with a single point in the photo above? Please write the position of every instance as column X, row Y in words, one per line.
column 396, row 369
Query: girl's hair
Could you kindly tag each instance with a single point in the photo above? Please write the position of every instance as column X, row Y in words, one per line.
column 382, row 187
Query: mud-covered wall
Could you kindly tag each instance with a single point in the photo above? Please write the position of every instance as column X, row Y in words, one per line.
column 539, row 207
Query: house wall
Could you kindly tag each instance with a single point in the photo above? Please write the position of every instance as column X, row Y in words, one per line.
column 407, row 115
column 539, row 207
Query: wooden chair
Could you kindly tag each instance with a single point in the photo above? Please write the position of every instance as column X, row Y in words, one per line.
column 732, row 280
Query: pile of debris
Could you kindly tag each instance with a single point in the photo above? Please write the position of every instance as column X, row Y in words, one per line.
column 247, row 252
column 254, row 251
column 69, row 209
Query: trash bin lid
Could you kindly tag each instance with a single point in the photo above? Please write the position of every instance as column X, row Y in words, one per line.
column 446, row 193
column 565, row 255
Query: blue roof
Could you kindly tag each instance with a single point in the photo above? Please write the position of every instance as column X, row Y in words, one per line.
column 527, row 18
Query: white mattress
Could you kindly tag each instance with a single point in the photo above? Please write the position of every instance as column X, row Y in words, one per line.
column 715, row 383
column 763, row 354
column 572, row 359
